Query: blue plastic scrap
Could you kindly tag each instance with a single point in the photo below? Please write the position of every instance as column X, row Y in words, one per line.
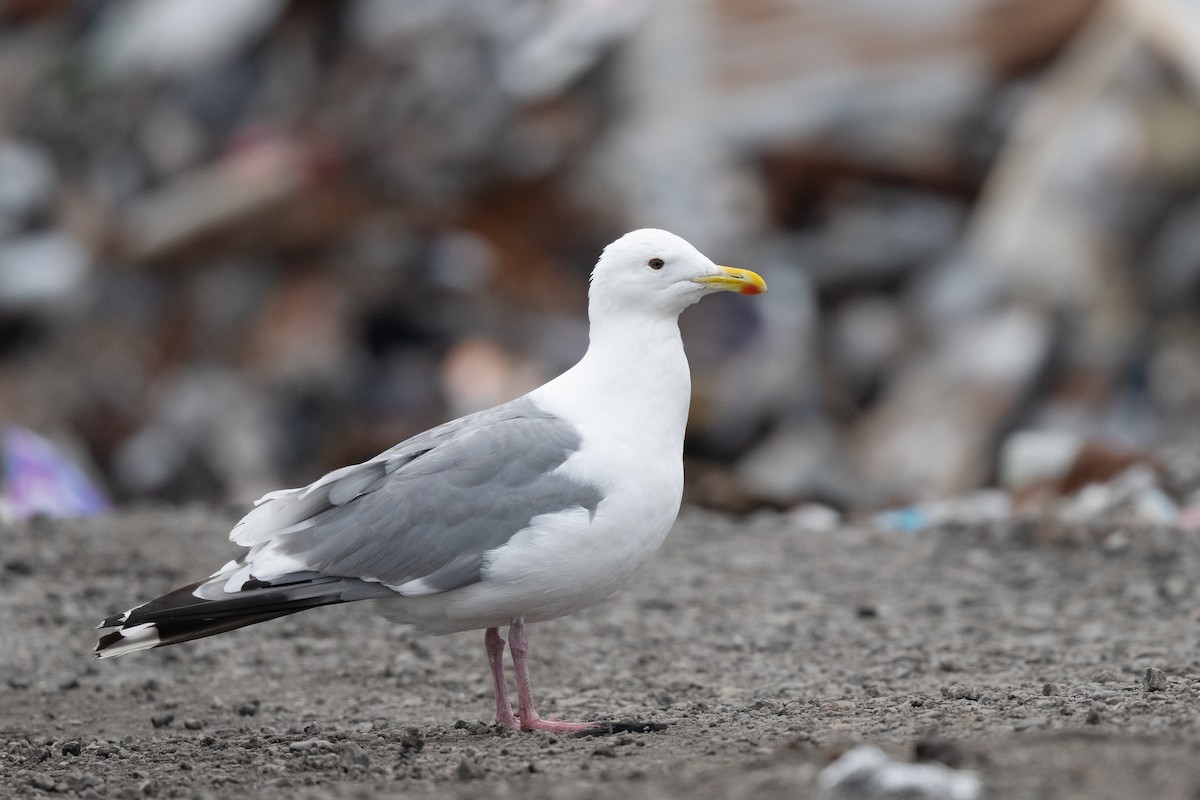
column 40, row 479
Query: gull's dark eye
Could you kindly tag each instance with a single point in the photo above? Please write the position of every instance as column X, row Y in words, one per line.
column 656, row 263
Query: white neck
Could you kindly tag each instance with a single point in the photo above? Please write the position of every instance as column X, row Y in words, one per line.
column 634, row 377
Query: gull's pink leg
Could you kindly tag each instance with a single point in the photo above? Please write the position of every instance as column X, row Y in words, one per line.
column 530, row 721
column 495, row 652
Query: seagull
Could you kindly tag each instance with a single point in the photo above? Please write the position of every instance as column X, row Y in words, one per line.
column 529, row 511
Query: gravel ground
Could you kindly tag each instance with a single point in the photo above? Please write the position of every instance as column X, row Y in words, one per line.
column 1053, row 662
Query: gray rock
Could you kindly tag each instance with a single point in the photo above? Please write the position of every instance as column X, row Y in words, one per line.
column 470, row 770
column 43, row 782
column 1030, row 723
column 310, row 746
column 354, row 756
column 1154, row 680
column 411, row 741
column 958, row 691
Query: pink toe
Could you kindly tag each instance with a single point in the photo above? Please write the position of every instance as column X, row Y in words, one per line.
column 557, row 725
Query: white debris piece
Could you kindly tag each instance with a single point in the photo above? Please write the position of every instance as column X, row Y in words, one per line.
column 866, row 773
column 179, row 37
column 42, row 269
column 1029, row 456
column 28, row 180
column 562, row 43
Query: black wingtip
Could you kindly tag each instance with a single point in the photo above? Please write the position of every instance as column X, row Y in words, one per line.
column 113, row 621
column 107, row 641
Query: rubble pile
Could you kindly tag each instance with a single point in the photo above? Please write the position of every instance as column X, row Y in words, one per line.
column 244, row 241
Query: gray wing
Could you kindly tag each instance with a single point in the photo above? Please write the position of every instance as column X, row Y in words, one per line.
column 429, row 508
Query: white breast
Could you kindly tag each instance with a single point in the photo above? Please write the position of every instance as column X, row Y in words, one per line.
column 569, row 560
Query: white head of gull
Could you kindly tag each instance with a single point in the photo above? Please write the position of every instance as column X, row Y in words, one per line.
column 528, row 511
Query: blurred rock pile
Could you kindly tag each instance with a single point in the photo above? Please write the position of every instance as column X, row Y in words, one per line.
column 244, row 241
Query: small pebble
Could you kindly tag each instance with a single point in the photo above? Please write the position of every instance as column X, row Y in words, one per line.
column 72, row 748
column 19, row 566
column 1116, row 543
column 932, row 747
column 840, row 706
column 1029, row 723
column 43, row 782
column 354, row 756
column 193, row 724
column 958, row 691
column 162, row 720
column 1154, row 680
column 411, row 740
column 470, row 770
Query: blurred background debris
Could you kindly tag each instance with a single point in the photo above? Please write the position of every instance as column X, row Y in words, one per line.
column 244, row 242
column 40, row 479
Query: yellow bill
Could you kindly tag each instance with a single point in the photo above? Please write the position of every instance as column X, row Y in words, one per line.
column 732, row 279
